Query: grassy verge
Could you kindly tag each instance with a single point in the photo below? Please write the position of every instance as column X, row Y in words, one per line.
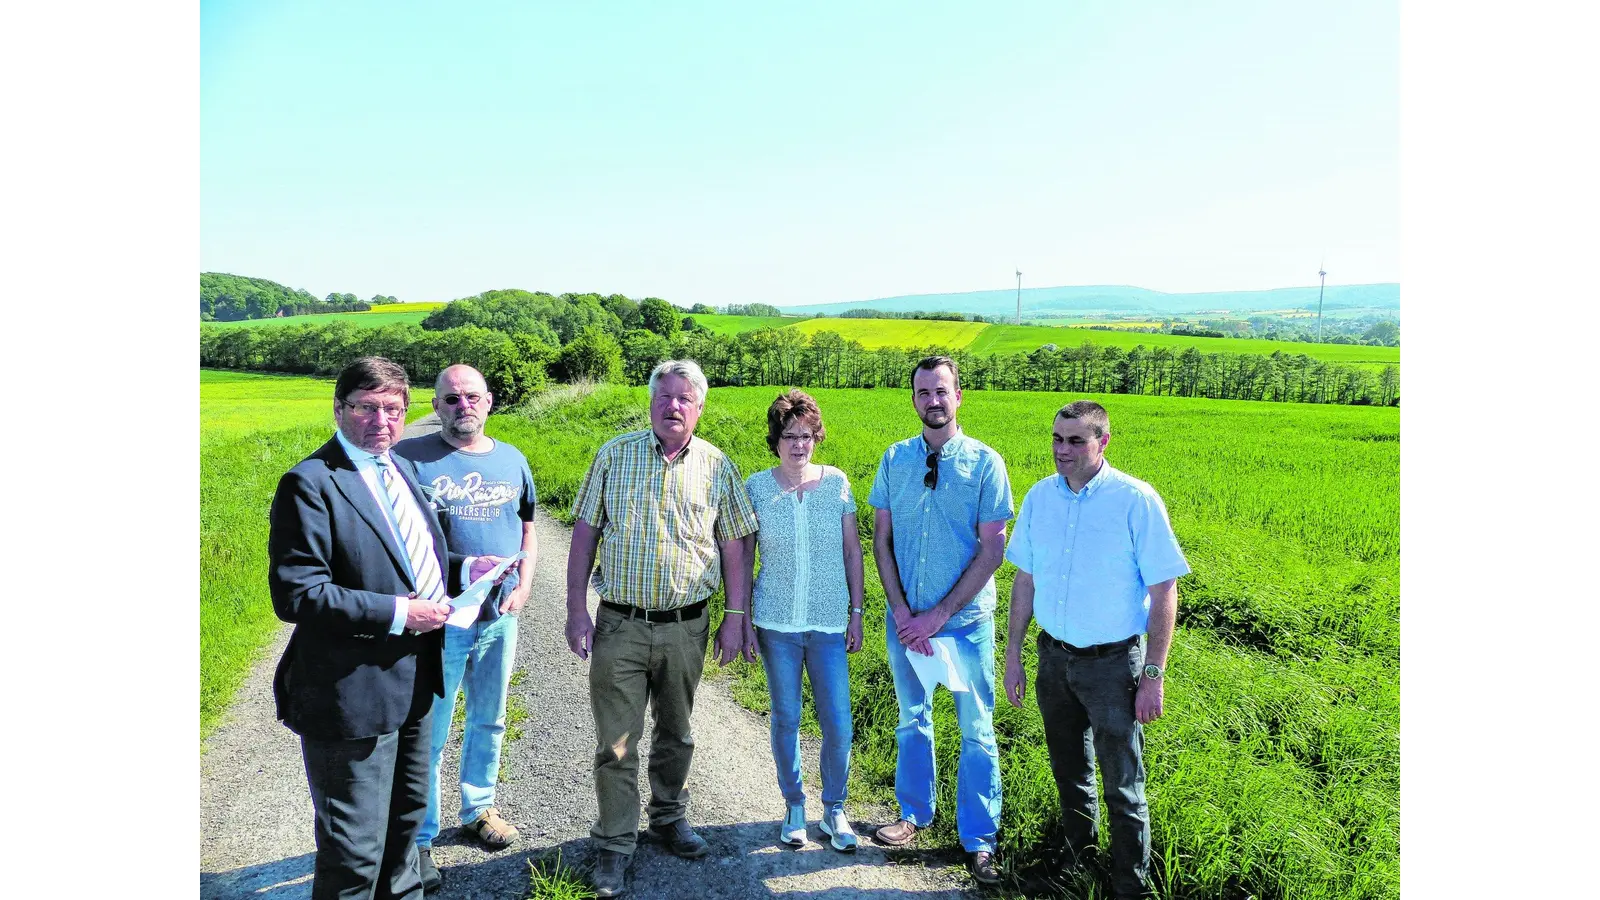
column 1275, row 771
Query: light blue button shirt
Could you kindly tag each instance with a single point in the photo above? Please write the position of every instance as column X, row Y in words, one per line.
column 1093, row 555
column 936, row 531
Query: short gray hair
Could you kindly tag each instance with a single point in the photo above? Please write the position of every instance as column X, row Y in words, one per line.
column 683, row 368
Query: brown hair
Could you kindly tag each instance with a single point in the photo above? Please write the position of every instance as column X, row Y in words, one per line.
column 930, row 364
column 372, row 373
column 1089, row 413
column 795, row 406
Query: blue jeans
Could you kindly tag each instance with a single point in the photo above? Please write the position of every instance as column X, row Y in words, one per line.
column 478, row 659
column 978, row 774
column 823, row 657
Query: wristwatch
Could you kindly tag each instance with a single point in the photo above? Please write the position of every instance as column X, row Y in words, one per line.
column 1151, row 670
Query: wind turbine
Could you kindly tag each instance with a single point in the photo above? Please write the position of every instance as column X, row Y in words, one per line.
column 1322, row 282
column 1019, row 296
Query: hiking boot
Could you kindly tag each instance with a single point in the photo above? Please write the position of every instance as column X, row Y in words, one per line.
column 610, row 874
column 982, row 865
column 681, row 839
column 793, row 829
column 899, row 834
column 431, row 879
column 491, row 830
column 836, row 826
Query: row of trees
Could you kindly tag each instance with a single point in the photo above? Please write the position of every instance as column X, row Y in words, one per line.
column 519, row 363
column 558, row 319
column 234, row 298
column 516, row 366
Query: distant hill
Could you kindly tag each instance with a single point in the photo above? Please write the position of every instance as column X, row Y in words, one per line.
column 1123, row 299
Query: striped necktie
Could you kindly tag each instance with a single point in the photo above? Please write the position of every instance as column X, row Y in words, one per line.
column 414, row 532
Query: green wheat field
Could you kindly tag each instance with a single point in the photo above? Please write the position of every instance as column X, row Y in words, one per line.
column 1275, row 770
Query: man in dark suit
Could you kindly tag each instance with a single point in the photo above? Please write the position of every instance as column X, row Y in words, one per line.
column 359, row 564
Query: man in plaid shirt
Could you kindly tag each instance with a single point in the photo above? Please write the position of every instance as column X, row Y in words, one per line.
column 664, row 511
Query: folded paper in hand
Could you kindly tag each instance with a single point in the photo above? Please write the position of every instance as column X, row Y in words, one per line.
column 464, row 607
column 941, row 666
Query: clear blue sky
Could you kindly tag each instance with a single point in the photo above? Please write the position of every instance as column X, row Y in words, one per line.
column 798, row 153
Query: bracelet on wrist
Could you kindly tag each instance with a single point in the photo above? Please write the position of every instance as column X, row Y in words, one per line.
column 733, row 612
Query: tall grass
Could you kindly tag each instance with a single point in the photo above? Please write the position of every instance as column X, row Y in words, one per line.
column 1275, row 771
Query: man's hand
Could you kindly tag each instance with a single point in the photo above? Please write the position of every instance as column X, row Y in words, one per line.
column 580, row 632
column 1016, row 680
column 514, row 600
column 852, row 634
column 1147, row 700
column 730, row 639
column 902, row 617
column 422, row 615
column 921, row 627
column 483, row 565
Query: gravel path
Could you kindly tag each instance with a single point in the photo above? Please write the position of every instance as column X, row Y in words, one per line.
column 255, row 812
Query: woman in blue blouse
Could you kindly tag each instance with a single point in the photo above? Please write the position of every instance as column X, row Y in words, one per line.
column 807, row 608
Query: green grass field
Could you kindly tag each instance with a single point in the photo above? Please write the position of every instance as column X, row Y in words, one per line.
column 875, row 333
column 1008, row 339
column 423, row 306
column 372, row 318
column 984, row 339
column 731, row 325
column 253, row 428
column 1086, row 321
column 1276, row 769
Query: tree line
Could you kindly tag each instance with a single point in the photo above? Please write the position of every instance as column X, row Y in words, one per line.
column 522, row 340
column 234, row 298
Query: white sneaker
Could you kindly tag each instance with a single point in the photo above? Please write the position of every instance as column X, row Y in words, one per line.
column 793, row 829
column 836, row 825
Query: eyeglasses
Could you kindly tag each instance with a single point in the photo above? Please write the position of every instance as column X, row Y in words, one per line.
column 799, row 438
column 369, row 410
column 931, row 480
column 464, row 399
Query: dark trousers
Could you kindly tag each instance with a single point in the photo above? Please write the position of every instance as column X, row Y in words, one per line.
column 634, row 661
column 370, row 796
column 1086, row 703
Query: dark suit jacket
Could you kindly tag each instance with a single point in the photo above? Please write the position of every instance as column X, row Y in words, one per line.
column 335, row 570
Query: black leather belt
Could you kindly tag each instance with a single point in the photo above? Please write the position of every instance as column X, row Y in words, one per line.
column 657, row 616
column 1095, row 650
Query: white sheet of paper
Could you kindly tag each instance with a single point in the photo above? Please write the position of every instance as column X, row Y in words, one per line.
column 464, row 607
column 940, row 667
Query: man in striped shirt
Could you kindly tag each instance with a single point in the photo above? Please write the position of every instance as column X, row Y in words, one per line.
column 664, row 511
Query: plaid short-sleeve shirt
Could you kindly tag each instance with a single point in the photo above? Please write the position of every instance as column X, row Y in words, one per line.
column 660, row 521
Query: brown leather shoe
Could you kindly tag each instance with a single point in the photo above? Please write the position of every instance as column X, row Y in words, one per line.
column 982, row 865
column 491, row 830
column 899, row 834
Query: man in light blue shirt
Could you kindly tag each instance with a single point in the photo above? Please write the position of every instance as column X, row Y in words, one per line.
column 942, row 502
column 1097, row 564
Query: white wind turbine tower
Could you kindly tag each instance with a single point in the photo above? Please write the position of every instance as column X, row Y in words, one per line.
column 1322, row 278
column 1019, row 296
